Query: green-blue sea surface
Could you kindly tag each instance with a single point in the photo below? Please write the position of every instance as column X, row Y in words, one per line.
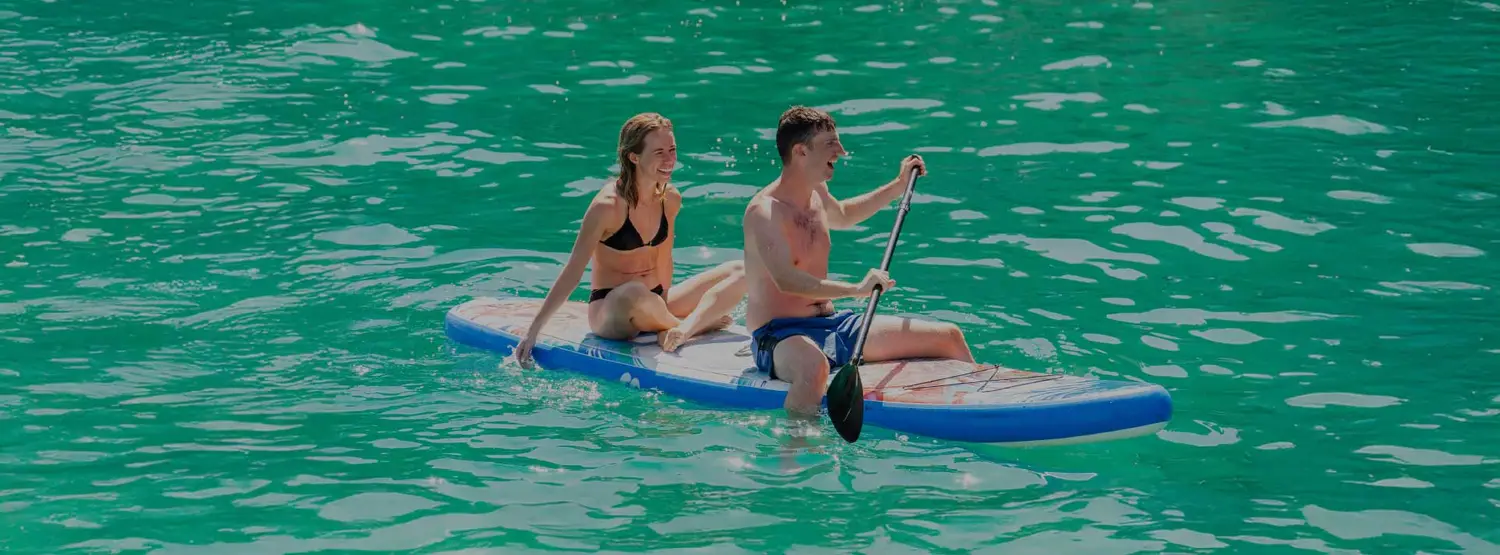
column 230, row 230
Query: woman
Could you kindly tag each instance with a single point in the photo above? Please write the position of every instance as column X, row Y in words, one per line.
column 628, row 231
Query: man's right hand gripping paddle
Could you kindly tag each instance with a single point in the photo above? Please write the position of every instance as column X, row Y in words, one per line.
column 846, row 393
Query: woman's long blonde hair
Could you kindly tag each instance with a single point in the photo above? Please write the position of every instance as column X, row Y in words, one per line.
column 633, row 141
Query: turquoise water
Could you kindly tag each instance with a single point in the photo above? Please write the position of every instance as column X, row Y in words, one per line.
column 231, row 231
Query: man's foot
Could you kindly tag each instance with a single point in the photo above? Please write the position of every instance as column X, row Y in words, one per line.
column 673, row 338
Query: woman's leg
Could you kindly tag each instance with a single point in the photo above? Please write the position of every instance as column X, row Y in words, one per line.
column 629, row 310
column 704, row 302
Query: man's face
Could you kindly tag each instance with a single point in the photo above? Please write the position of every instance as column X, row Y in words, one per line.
column 822, row 152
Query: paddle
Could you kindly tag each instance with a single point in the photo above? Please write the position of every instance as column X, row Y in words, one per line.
column 846, row 393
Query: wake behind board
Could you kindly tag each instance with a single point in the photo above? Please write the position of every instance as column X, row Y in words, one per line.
column 936, row 398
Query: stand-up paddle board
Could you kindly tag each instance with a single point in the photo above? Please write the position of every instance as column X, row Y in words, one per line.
column 937, row 398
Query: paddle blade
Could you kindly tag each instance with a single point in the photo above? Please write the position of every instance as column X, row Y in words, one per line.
column 846, row 402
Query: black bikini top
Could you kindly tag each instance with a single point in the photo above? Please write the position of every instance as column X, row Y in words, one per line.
column 628, row 239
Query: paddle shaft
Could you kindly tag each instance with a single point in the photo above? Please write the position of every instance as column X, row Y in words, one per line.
column 885, row 264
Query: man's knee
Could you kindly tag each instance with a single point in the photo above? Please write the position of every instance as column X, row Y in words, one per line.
column 958, row 345
column 955, row 334
column 798, row 359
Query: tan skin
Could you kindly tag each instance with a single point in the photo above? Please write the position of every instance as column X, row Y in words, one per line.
column 697, row 305
column 786, row 269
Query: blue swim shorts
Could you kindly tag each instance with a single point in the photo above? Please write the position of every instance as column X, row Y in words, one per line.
column 835, row 334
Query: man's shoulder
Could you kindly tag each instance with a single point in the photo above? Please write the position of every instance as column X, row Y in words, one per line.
column 763, row 204
column 762, row 213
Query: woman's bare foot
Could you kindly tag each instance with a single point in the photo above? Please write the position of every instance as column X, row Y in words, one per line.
column 670, row 339
column 723, row 322
column 673, row 338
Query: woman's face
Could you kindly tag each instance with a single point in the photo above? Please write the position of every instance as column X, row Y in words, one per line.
column 658, row 158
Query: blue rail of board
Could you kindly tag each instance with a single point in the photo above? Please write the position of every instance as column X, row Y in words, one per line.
column 1066, row 419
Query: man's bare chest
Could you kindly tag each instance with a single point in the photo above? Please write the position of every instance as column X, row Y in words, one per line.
column 807, row 232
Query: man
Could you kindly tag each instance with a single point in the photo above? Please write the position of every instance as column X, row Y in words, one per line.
column 797, row 335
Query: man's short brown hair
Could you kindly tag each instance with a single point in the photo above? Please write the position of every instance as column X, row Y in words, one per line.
column 798, row 125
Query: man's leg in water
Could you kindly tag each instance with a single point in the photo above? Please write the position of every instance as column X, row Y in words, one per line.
column 892, row 338
column 704, row 302
column 799, row 362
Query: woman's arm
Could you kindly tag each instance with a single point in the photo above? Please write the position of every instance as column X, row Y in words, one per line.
column 589, row 233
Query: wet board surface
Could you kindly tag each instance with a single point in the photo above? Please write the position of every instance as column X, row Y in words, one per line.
column 938, row 398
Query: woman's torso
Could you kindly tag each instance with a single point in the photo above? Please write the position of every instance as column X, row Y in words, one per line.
column 631, row 246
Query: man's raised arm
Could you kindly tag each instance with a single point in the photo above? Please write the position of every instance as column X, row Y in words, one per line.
column 849, row 213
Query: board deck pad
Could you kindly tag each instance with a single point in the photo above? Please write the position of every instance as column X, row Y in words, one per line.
column 946, row 399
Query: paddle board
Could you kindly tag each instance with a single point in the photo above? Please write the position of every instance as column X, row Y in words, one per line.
column 937, row 398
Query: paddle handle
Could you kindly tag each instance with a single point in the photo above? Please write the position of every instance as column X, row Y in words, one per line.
column 885, row 264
